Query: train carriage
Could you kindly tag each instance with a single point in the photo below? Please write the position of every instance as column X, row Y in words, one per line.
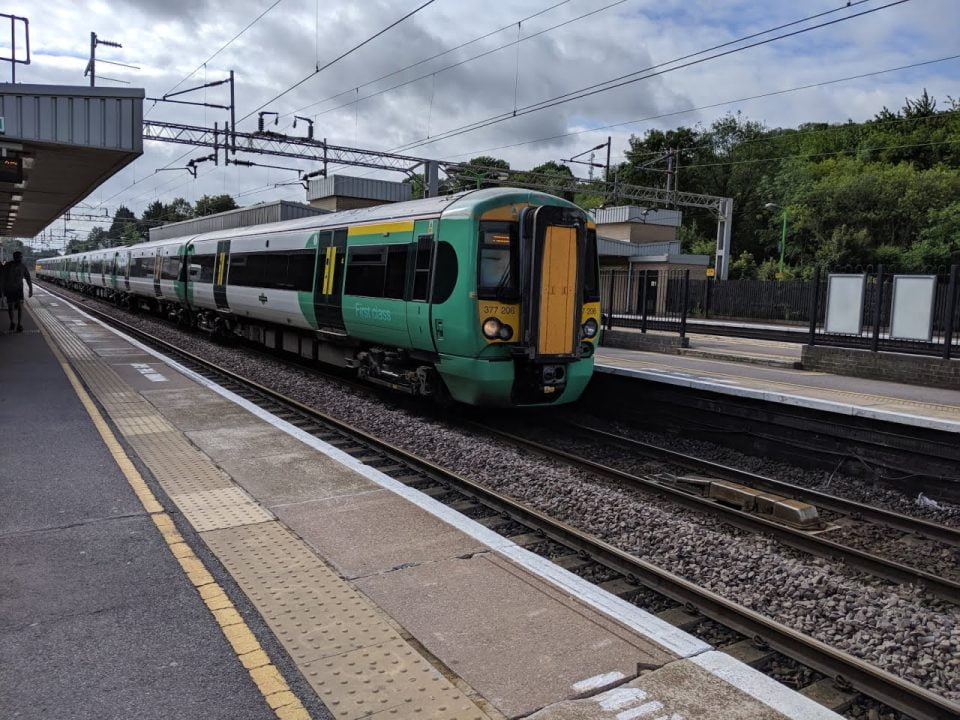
column 489, row 297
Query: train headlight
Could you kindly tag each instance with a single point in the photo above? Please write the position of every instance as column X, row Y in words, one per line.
column 506, row 332
column 491, row 328
column 590, row 328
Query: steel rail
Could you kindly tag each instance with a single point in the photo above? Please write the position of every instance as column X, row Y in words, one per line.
column 900, row 694
column 797, row 539
column 845, row 506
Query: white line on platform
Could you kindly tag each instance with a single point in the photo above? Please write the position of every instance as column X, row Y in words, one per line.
column 715, row 385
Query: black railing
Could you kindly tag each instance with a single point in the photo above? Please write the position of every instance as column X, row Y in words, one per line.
column 876, row 330
column 792, row 310
column 646, row 299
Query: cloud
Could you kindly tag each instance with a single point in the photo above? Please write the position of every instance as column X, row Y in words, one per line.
column 169, row 39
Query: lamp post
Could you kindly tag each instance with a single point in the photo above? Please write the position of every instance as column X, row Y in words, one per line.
column 783, row 234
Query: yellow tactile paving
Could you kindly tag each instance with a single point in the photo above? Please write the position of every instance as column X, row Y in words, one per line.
column 350, row 652
column 355, row 660
column 265, row 675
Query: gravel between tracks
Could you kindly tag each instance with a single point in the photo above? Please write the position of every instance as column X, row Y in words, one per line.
column 933, row 557
column 900, row 629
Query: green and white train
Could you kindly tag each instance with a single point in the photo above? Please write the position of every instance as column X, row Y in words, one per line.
column 489, row 297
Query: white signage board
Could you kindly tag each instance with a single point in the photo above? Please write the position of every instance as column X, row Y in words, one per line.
column 911, row 314
column 845, row 304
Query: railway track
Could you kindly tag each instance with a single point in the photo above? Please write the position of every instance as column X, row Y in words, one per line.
column 844, row 506
column 529, row 526
column 802, row 540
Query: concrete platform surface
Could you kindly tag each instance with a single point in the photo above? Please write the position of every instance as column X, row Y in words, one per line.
column 915, row 405
column 355, row 572
column 97, row 618
column 695, row 688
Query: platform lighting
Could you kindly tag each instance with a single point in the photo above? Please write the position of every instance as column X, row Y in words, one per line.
column 783, row 233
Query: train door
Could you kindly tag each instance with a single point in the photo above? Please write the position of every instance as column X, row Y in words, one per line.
column 220, row 275
column 328, row 278
column 420, row 268
column 157, row 269
column 553, row 311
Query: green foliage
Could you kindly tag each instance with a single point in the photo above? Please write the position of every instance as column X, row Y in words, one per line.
column 478, row 174
column 854, row 193
column 744, row 267
column 122, row 218
column 939, row 242
column 210, row 204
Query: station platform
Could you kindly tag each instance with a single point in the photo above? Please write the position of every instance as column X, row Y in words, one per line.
column 364, row 597
column 762, row 370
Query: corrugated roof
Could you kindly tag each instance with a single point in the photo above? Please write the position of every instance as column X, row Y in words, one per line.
column 634, row 213
column 358, row 187
column 260, row 214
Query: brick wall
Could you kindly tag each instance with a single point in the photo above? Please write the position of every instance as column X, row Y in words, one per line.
column 635, row 340
column 895, row 367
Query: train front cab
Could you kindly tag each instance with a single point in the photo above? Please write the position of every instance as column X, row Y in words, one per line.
column 537, row 307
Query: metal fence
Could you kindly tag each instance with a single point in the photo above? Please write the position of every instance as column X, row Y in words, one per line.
column 876, row 321
column 773, row 309
column 646, row 299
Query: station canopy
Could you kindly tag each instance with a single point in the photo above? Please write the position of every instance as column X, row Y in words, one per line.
column 58, row 143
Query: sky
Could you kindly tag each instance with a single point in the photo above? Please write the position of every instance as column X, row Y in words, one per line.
column 564, row 46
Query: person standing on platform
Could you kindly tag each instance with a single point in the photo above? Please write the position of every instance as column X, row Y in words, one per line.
column 14, row 273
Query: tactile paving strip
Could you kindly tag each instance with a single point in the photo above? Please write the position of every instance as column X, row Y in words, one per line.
column 388, row 680
column 355, row 660
column 220, row 508
column 205, row 495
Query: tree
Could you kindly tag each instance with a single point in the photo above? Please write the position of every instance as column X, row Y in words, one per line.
column 131, row 235
column 96, row 239
column 152, row 217
column 177, row 210
column 939, row 242
column 123, row 217
column 552, row 177
column 210, row 204
column 478, row 173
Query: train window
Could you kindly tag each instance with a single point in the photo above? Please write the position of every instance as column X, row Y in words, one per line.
column 591, row 271
column 497, row 274
column 396, row 278
column 445, row 272
column 142, row 267
column 421, row 270
column 366, row 271
column 377, row 271
column 291, row 270
column 201, row 268
column 170, row 267
column 300, row 268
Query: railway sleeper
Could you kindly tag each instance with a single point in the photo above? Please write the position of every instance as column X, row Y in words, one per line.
column 749, row 653
column 830, row 695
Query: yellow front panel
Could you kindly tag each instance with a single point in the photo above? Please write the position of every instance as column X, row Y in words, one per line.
column 558, row 293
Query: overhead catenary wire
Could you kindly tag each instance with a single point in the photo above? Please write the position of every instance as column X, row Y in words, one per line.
column 337, row 59
column 300, row 111
column 650, row 72
column 722, row 103
column 460, row 63
column 222, row 48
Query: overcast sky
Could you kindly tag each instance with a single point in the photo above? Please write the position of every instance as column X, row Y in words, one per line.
column 169, row 39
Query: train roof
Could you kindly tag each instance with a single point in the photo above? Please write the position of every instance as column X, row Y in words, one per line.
column 458, row 203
